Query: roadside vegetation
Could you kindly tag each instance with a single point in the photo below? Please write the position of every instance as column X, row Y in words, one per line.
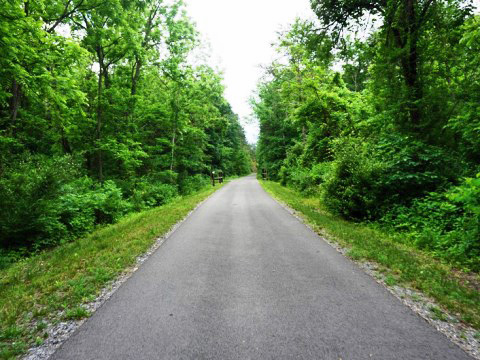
column 106, row 109
column 401, row 262
column 52, row 286
column 374, row 111
column 370, row 127
column 111, row 123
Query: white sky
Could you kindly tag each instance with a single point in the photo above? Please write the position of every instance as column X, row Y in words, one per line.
column 240, row 33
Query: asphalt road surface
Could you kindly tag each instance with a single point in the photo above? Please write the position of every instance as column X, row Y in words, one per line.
column 241, row 278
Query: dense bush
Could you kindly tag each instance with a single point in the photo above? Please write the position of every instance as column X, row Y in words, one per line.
column 147, row 195
column 367, row 179
column 45, row 202
column 353, row 188
column 29, row 200
column 414, row 168
column 85, row 204
column 447, row 224
column 191, row 184
column 305, row 180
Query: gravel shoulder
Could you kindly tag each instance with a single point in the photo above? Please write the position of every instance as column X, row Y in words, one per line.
column 464, row 336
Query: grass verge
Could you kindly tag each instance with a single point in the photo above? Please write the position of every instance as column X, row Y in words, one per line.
column 35, row 290
column 400, row 263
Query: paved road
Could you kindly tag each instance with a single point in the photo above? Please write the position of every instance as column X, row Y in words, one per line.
column 243, row 279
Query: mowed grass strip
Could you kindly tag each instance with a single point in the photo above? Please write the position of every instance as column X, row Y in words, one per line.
column 400, row 263
column 36, row 289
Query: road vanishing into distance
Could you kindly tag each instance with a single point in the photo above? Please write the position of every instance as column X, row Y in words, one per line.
column 242, row 278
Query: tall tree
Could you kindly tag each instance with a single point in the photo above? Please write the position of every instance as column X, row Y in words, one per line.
column 404, row 22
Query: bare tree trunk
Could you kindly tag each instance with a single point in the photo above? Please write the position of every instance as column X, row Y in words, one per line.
column 99, row 115
column 174, row 136
column 136, row 76
column 173, row 150
column 65, row 143
column 174, row 106
column 14, row 103
column 411, row 65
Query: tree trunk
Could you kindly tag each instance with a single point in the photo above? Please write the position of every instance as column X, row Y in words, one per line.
column 65, row 143
column 175, row 110
column 411, row 65
column 136, row 76
column 173, row 149
column 99, row 115
column 14, row 103
column 175, row 125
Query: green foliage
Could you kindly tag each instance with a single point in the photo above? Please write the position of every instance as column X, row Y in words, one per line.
column 446, row 224
column 468, row 194
column 77, row 206
column 48, row 204
column 391, row 136
column 191, row 184
column 31, row 191
column 107, row 203
column 353, row 187
column 465, row 119
column 147, row 195
column 9, row 257
column 306, row 180
column 103, row 110
column 76, row 313
column 368, row 179
column 415, row 168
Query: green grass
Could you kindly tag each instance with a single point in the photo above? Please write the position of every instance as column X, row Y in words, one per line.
column 400, row 263
column 36, row 289
column 438, row 314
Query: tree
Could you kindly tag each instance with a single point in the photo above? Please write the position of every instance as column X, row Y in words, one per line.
column 103, row 112
column 403, row 25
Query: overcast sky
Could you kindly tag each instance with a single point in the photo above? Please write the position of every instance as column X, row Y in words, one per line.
column 240, row 34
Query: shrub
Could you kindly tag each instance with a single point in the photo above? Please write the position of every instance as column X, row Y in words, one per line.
column 352, row 188
column 468, row 194
column 147, row 195
column 368, row 179
column 304, row 179
column 447, row 224
column 414, row 168
column 166, row 177
column 44, row 202
column 29, row 194
column 85, row 204
column 463, row 242
column 108, row 203
column 191, row 184
column 301, row 179
column 77, row 204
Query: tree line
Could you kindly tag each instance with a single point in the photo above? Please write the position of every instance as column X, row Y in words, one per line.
column 104, row 109
column 393, row 138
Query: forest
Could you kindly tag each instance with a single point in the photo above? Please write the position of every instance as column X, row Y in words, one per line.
column 113, row 120
column 106, row 108
column 373, row 107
